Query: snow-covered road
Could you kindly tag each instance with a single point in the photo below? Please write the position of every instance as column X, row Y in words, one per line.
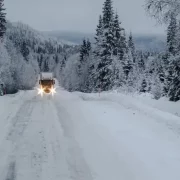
column 85, row 137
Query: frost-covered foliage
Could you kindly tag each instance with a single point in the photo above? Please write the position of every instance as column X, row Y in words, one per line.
column 169, row 70
column 163, row 9
column 24, row 52
column 6, row 76
column 2, row 19
column 19, row 69
column 23, row 73
column 114, row 63
column 111, row 63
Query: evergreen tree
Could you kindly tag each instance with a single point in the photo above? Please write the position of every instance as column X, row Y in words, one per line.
column 117, row 36
column 174, row 86
column 119, row 39
column 99, row 29
column 46, row 66
column 40, row 61
column 141, row 63
column 131, row 46
column 83, row 51
column 88, row 47
column 123, row 45
column 104, row 65
column 84, row 54
column 25, row 50
column 127, row 64
column 107, row 14
column 56, row 59
column 2, row 19
column 178, row 37
column 143, row 86
column 171, row 35
column 98, row 36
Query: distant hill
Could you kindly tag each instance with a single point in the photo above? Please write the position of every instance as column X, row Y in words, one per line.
column 71, row 37
column 143, row 42
column 150, row 42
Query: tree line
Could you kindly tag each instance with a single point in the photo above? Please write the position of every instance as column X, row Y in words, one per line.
column 111, row 63
column 114, row 63
column 24, row 52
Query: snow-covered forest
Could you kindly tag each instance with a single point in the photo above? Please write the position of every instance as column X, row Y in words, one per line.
column 24, row 52
column 111, row 63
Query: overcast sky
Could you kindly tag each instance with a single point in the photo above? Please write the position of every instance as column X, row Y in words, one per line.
column 79, row 15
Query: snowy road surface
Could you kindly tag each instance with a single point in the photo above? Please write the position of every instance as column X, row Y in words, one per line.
column 80, row 137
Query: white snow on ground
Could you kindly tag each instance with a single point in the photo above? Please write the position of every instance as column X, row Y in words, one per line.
column 75, row 136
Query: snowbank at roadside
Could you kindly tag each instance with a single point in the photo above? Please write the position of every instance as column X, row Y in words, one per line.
column 161, row 109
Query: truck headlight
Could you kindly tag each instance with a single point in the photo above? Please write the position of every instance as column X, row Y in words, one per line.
column 53, row 91
column 40, row 91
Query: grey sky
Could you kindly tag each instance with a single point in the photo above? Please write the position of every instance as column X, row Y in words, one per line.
column 79, row 15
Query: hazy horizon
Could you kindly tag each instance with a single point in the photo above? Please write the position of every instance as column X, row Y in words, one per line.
column 80, row 16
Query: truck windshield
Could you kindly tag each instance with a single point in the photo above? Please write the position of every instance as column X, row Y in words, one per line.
column 46, row 82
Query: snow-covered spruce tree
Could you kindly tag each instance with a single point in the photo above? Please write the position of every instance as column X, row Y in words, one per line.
column 46, row 66
column 172, row 51
column 143, row 88
column 97, row 51
column 98, row 38
column 24, row 50
column 83, row 65
column 140, row 62
column 172, row 35
column 104, row 65
column 178, row 37
column 99, row 32
column 88, row 67
column 83, row 56
column 131, row 46
column 127, row 63
column 118, row 40
column 40, row 61
column 174, row 86
column 124, row 47
column 88, row 47
column 2, row 19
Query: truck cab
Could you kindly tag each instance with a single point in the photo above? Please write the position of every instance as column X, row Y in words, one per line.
column 47, row 83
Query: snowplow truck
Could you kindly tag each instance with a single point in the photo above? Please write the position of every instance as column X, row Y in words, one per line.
column 47, row 82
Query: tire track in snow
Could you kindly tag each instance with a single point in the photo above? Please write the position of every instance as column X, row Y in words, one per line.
column 78, row 167
column 20, row 122
column 11, row 143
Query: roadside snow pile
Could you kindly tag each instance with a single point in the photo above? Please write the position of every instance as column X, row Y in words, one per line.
column 162, row 109
column 162, row 104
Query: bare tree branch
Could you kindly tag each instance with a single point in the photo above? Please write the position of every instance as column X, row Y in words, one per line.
column 161, row 10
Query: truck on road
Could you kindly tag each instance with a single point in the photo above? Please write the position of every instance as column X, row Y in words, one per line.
column 46, row 83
